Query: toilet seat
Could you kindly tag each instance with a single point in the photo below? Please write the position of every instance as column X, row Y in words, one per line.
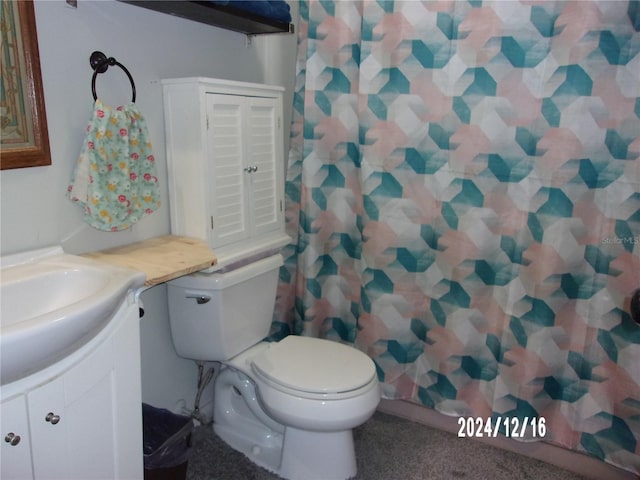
column 314, row 368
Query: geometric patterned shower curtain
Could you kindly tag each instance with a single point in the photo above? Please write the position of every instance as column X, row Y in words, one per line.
column 463, row 196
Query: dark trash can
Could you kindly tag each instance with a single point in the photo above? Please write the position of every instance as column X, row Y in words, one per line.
column 166, row 439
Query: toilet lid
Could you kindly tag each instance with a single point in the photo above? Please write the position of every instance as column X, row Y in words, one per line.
column 314, row 365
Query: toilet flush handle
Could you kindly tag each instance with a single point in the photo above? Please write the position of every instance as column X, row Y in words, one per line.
column 200, row 299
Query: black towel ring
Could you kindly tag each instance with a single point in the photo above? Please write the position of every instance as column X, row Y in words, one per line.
column 100, row 63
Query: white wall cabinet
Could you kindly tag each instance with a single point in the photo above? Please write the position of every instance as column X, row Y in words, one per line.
column 226, row 167
column 80, row 419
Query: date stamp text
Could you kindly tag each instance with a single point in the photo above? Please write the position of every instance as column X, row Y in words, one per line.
column 511, row 427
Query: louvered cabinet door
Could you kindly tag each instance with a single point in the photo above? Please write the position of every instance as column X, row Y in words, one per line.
column 225, row 165
column 262, row 127
column 228, row 179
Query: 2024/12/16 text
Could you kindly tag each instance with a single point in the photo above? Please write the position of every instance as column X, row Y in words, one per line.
column 511, row 427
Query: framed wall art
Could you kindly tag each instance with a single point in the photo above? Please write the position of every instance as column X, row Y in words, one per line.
column 24, row 139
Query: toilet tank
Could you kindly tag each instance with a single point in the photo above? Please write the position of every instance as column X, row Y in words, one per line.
column 215, row 316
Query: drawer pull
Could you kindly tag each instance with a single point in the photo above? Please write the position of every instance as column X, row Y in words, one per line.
column 12, row 438
column 52, row 418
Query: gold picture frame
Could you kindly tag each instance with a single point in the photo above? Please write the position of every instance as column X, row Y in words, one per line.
column 24, row 137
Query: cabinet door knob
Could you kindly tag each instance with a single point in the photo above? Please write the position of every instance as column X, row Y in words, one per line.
column 251, row 169
column 12, row 438
column 51, row 417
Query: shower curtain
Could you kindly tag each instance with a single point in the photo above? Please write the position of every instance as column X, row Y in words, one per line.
column 463, row 198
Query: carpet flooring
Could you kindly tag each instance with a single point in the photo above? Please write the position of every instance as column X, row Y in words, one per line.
column 388, row 448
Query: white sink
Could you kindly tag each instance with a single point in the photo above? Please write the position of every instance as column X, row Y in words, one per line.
column 51, row 304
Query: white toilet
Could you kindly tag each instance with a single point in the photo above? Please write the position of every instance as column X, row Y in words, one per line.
column 289, row 406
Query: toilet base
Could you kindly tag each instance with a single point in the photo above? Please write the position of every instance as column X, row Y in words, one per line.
column 317, row 455
column 302, row 455
column 265, row 451
column 241, row 421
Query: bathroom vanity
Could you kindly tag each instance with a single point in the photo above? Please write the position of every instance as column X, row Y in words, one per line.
column 75, row 413
column 83, row 421
column 70, row 397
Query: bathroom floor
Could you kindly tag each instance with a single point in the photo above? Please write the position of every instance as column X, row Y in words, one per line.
column 387, row 448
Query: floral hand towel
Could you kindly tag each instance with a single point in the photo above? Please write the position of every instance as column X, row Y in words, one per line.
column 115, row 177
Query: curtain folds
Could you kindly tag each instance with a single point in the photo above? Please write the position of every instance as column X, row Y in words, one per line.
column 463, row 195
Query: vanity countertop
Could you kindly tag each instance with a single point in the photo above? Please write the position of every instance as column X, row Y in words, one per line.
column 160, row 258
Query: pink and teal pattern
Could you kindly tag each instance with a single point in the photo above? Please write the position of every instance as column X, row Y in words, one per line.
column 464, row 198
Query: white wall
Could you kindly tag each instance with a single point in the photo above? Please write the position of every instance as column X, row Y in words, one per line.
column 34, row 210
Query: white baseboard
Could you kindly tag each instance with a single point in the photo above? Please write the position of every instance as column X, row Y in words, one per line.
column 576, row 462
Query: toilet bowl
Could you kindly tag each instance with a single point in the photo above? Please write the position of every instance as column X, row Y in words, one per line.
column 290, row 425
column 315, row 384
column 289, row 406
